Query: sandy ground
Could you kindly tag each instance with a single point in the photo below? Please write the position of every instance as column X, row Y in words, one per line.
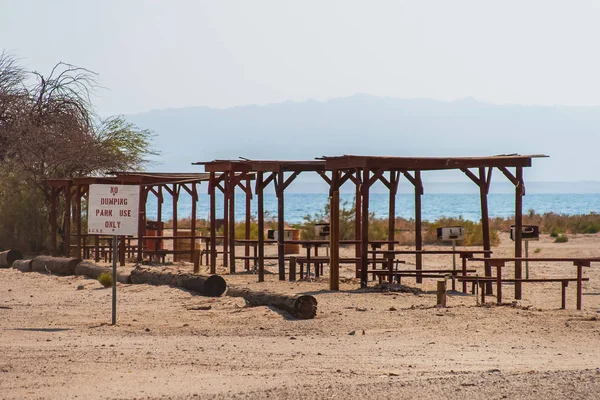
column 57, row 341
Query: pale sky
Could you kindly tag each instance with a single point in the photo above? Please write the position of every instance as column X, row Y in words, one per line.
column 161, row 54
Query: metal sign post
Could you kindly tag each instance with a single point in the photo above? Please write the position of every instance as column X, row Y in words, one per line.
column 453, row 234
column 528, row 232
column 453, row 260
column 114, row 280
column 113, row 210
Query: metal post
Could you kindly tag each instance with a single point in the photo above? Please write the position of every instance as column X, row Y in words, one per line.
column 114, row 281
column 453, row 265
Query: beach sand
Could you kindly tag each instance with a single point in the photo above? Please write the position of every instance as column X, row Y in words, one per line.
column 57, row 342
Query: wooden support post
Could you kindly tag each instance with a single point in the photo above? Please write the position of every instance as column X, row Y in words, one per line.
column 499, row 283
column 292, row 269
column 464, row 271
column 212, row 243
column 231, row 195
column 418, row 230
column 193, row 223
column 141, row 223
column 563, row 303
column 519, row 192
column 482, row 289
column 175, row 222
column 67, row 238
column 334, row 236
column 280, row 225
column 122, row 251
column 441, row 293
column 78, row 194
column 196, row 260
column 248, row 221
column 392, row 208
column 485, row 223
column 53, row 223
column 261, row 226
column 579, row 286
column 357, row 224
column 225, row 220
column 159, row 202
column 364, row 245
column 96, row 248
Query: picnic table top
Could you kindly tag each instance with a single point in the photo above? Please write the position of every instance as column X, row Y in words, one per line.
column 180, row 237
column 432, row 252
column 539, row 259
column 252, row 241
column 318, row 242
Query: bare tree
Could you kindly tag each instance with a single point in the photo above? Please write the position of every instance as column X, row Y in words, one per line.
column 49, row 129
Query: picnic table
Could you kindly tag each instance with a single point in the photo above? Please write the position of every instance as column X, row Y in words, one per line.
column 463, row 254
column 500, row 263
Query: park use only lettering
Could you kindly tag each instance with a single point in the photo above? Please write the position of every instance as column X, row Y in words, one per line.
column 113, row 209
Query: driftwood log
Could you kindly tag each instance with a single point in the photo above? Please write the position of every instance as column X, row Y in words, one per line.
column 93, row 271
column 22, row 265
column 213, row 286
column 55, row 265
column 8, row 257
column 300, row 306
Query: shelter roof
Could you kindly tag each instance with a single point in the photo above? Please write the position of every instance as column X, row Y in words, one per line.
column 133, row 178
column 245, row 165
column 427, row 163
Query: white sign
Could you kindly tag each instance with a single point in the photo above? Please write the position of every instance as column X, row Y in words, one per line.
column 113, row 209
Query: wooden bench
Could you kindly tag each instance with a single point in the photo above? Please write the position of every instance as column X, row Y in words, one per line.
column 427, row 273
column 482, row 280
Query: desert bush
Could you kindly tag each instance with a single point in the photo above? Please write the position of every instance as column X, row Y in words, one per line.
column 562, row 238
column 105, row 279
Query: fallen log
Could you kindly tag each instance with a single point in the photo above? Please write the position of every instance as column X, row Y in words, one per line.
column 93, row 271
column 55, row 265
column 213, row 285
column 300, row 306
column 22, row 265
column 8, row 257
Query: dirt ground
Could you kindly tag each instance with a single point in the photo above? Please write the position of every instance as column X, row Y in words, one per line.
column 57, row 342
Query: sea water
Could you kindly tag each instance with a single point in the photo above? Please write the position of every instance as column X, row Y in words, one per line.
column 434, row 206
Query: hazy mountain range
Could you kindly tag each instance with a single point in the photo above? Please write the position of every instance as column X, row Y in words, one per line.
column 370, row 125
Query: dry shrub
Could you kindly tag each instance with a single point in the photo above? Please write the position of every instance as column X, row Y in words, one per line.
column 105, row 279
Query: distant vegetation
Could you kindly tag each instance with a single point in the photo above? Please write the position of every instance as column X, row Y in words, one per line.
column 562, row 238
column 556, row 225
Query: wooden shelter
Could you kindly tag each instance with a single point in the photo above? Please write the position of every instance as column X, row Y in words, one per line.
column 73, row 191
column 363, row 171
column 369, row 169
